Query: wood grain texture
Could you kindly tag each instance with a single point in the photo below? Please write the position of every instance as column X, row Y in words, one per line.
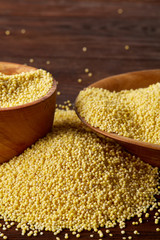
column 21, row 126
column 56, row 30
column 150, row 153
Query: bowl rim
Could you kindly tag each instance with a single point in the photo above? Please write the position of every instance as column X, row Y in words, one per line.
column 51, row 91
column 112, row 135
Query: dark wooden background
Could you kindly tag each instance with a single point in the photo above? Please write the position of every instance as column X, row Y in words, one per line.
column 57, row 30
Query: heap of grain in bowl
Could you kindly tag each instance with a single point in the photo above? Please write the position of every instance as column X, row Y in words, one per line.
column 130, row 113
column 73, row 179
column 24, row 88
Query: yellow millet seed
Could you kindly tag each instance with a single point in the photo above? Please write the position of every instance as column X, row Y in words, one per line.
column 156, row 221
column 147, row 215
column 136, row 232
column 30, row 233
column 129, row 237
column 23, row 31
column 100, row 233
column 90, row 74
column 48, row 62
column 127, row 47
column 78, row 235
column 5, row 237
column 23, row 88
column 84, row 49
column 123, row 232
column 58, row 93
column 86, row 70
column 158, row 229
column 31, row 60
column 79, row 80
column 130, row 113
column 73, row 179
column 66, row 236
column 7, row 32
column 107, row 231
column 120, row 11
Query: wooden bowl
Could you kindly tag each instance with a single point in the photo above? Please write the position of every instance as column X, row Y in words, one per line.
column 21, row 126
column 148, row 152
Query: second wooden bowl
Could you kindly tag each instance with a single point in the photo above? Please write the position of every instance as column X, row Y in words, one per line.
column 21, row 126
column 148, row 152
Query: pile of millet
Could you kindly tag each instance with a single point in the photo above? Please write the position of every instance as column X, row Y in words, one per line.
column 130, row 113
column 74, row 179
column 24, row 88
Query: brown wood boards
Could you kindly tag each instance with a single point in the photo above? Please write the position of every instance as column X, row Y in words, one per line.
column 148, row 152
column 21, row 126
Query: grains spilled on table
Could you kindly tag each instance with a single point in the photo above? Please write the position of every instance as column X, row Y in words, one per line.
column 73, row 179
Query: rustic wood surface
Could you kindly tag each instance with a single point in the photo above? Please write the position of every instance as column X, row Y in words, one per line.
column 57, row 30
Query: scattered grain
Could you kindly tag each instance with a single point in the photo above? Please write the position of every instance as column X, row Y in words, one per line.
column 31, row 60
column 66, row 236
column 76, row 180
column 23, row 88
column 23, row 31
column 156, row 221
column 136, row 232
column 147, row 215
column 126, row 47
column 120, row 11
column 7, row 32
column 86, row 70
column 79, row 80
column 84, row 49
column 100, row 233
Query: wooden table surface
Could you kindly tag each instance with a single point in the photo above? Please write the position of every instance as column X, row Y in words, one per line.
column 120, row 36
